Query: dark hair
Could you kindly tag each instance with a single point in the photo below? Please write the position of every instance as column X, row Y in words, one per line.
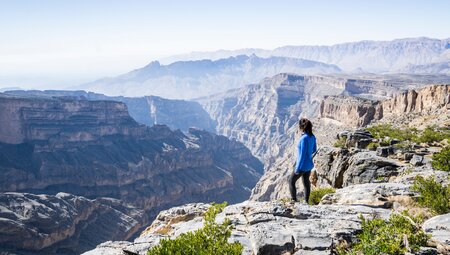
column 305, row 125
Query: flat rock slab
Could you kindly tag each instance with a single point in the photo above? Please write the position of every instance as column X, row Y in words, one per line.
column 439, row 228
column 371, row 194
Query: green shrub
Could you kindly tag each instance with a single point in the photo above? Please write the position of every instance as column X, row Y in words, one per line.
column 432, row 194
column 340, row 143
column 211, row 239
column 441, row 160
column 432, row 134
column 372, row 146
column 317, row 194
column 387, row 237
column 382, row 131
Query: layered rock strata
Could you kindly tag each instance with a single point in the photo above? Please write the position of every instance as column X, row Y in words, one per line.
column 63, row 223
column 148, row 110
column 357, row 112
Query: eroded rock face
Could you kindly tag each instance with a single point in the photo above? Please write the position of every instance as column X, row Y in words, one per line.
column 425, row 100
column 63, row 223
column 148, row 110
column 357, row 112
column 30, row 119
column 268, row 228
column 352, row 111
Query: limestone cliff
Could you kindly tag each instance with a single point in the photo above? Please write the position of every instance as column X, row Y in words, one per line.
column 357, row 112
column 148, row 110
column 424, row 101
column 352, row 111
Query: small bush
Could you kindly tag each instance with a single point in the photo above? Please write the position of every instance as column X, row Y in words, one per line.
column 317, row 195
column 441, row 160
column 387, row 237
column 372, row 146
column 340, row 143
column 211, row 239
column 432, row 134
column 432, row 194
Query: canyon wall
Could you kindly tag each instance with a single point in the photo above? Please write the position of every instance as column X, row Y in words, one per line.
column 148, row 110
column 94, row 149
column 356, row 112
column 263, row 116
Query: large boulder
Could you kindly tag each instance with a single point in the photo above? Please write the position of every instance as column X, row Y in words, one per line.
column 439, row 228
column 343, row 167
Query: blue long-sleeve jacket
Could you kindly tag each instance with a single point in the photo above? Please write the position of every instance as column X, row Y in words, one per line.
column 306, row 147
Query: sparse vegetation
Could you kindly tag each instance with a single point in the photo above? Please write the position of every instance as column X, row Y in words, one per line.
column 407, row 136
column 394, row 236
column 317, row 195
column 383, row 131
column 211, row 239
column 432, row 134
column 340, row 143
column 441, row 160
column 433, row 195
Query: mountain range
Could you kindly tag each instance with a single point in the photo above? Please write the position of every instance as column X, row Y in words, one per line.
column 188, row 79
column 363, row 56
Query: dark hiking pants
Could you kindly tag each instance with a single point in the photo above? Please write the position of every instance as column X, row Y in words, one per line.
column 306, row 184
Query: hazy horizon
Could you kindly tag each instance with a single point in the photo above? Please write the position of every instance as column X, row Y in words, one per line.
column 50, row 44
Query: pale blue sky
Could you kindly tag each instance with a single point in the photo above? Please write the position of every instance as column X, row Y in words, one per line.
column 68, row 41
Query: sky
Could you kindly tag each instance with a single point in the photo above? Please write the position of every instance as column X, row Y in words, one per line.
column 62, row 43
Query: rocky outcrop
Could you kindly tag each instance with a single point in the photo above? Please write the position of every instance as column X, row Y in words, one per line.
column 351, row 111
column 382, row 195
column 261, row 227
column 333, row 168
column 357, row 112
column 148, row 110
column 425, row 100
column 63, row 223
column 95, row 149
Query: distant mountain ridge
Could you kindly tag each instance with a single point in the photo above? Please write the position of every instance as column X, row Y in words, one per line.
column 369, row 56
column 189, row 79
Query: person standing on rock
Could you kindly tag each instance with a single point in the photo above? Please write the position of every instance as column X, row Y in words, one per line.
column 306, row 148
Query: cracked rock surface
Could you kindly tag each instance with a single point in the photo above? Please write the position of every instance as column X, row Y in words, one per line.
column 262, row 227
